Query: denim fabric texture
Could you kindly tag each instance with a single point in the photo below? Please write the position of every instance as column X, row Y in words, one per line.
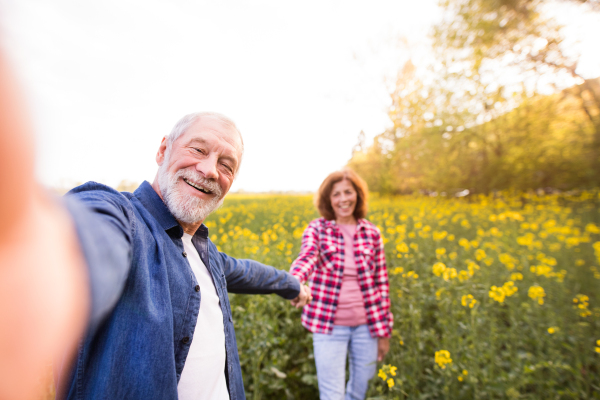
column 144, row 297
column 331, row 350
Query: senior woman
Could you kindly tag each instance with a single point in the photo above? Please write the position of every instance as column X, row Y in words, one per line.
column 343, row 260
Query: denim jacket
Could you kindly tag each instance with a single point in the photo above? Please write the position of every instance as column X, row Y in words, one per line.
column 145, row 298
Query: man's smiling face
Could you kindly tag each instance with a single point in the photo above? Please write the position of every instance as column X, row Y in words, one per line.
column 197, row 170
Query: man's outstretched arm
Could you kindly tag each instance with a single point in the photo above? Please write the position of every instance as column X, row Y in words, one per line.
column 44, row 295
column 252, row 277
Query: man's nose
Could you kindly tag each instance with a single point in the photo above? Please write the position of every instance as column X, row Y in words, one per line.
column 208, row 168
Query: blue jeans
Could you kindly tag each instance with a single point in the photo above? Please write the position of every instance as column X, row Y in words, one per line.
column 330, row 357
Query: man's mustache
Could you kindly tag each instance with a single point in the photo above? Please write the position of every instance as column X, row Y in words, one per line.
column 195, row 177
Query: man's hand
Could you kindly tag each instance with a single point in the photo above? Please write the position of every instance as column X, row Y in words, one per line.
column 44, row 295
column 383, row 346
column 303, row 298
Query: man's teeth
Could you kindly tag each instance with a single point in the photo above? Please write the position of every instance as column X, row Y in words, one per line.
column 200, row 188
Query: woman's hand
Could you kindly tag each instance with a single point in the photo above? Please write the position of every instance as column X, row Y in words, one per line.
column 303, row 298
column 383, row 346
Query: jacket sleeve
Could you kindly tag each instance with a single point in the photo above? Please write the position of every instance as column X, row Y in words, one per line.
column 382, row 282
column 103, row 219
column 251, row 277
column 307, row 260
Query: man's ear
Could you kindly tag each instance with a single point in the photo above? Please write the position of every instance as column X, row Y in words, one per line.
column 160, row 154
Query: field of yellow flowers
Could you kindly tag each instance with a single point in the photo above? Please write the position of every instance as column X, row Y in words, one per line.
column 494, row 297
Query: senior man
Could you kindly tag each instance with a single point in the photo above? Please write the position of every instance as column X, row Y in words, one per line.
column 161, row 325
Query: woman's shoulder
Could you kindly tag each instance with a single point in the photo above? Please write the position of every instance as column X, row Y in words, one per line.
column 320, row 225
column 318, row 222
column 368, row 226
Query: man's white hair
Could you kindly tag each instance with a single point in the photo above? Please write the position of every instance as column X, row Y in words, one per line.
column 188, row 120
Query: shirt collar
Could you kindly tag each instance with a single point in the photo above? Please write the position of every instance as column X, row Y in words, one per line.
column 360, row 223
column 152, row 202
column 155, row 206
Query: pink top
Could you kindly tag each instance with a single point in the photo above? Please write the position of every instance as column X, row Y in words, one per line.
column 351, row 309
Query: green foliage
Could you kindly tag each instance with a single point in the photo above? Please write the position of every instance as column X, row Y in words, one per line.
column 505, row 346
column 475, row 119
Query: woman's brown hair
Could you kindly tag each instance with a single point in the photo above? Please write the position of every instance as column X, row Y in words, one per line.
column 323, row 196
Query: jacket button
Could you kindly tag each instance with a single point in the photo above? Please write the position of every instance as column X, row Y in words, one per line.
column 184, row 254
column 197, row 288
column 185, row 340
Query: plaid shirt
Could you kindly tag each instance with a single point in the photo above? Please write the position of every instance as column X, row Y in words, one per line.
column 321, row 262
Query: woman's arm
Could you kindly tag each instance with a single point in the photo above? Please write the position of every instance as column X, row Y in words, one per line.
column 307, row 260
column 381, row 280
column 382, row 283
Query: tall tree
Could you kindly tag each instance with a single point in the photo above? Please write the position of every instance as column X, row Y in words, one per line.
column 474, row 119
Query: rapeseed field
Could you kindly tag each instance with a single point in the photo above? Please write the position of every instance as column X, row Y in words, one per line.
column 494, row 297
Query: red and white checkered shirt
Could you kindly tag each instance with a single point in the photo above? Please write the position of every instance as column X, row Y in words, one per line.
column 321, row 262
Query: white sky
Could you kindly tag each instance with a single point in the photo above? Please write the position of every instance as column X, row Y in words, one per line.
column 107, row 80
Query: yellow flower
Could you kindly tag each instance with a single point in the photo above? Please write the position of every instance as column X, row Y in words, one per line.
column 442, row 358
column 582, row 303
column 465, row 372
column 440, row 251
column 552, row 330
column 449, row 273
column 509, row 288
column 468, row 300
column 382, row 375
column 472, row 267
column 460, row 378
column 537, row 293
column 453, row 255
column 497, row 293
column 439, row 268
column 591, row 228
column 390, row 383
column 439, row 235
column 516, row 276
column 402, row 248
column 479, row 254
column 393, row 370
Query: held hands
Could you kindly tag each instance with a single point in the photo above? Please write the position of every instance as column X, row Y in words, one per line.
column 303, row 298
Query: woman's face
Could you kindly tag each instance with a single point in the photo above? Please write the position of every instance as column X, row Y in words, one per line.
column 343, row 200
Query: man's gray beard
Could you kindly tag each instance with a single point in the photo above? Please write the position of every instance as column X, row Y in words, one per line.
column 186, row 208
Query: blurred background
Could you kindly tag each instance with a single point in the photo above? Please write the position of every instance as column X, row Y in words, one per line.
column 475, row 95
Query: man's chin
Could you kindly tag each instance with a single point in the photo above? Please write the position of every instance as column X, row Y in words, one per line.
column 194, row 210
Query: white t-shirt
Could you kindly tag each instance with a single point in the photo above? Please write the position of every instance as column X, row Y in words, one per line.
column 203, row 375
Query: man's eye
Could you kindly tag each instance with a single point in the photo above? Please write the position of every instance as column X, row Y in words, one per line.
column 198, row 150
column 227, row 167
